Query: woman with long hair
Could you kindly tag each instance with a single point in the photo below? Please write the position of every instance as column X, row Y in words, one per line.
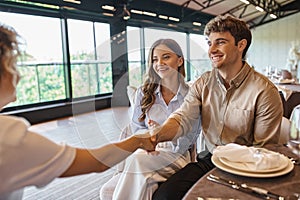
column 162, row 93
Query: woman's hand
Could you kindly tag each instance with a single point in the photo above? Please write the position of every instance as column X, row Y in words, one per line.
column 152, row 124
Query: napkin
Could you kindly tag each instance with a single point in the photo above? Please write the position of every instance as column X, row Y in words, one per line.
column 252, row 158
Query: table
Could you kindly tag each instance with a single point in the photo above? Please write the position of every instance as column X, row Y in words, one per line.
column 280, row 185
column 294, row 87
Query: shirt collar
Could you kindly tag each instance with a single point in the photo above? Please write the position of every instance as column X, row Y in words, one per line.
column 181, row 90
column 239, row 78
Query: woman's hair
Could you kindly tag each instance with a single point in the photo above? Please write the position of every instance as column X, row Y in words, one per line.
column 237, row 28
column 9, row 48
column 152, row 80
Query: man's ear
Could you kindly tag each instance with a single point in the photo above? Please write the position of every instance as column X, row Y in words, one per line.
column 242, row 44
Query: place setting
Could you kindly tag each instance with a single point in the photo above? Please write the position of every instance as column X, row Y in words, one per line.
column 251, row 161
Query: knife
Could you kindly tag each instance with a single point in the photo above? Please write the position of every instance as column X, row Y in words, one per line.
column 263, row 193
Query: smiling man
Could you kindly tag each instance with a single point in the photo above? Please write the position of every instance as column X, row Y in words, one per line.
column 236, row 104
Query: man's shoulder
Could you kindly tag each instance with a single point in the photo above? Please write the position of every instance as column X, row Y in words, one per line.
column 262, row 79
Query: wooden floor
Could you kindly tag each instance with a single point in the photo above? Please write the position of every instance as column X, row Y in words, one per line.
column 87, row 130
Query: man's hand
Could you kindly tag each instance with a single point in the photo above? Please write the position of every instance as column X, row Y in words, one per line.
column 154, row 136
column 146, row 142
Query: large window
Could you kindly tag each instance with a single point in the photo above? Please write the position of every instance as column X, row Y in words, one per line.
column 199, row 61
column 135, row 55
column 40, row 65
column 151, row 35
column 90, row 60
column 47, row 75
column 103, row 57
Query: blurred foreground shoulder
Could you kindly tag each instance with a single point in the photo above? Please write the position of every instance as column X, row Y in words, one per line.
column 13, row 129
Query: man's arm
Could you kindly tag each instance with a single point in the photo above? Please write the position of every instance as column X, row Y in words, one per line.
column 170, row 130
column 268, row 118
column 183, row 119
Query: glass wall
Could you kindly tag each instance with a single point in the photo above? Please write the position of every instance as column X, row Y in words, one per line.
column 44, row 78
column 47, row 77
column 199, row 61
column 151, row 35
column 41, row 64
column 90, row 75
column 103, row 57
column 135, row 56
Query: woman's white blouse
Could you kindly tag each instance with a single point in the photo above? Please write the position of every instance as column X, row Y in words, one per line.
column 159, row 112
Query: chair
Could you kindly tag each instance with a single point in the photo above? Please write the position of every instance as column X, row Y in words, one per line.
column 284, row 130
column 291, row 103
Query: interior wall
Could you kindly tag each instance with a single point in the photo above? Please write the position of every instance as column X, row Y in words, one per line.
column 272, row 42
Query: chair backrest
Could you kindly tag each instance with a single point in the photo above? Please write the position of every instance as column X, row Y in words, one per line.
column 131, row 92
column 284, row 130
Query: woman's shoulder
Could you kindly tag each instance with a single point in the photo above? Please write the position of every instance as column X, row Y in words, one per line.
column 13, row 129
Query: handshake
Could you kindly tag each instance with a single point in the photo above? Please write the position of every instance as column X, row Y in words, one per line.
column 149, row 139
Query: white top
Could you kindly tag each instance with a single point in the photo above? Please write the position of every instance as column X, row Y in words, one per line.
column 27, row 158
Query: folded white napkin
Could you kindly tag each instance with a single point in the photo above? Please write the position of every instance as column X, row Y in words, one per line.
column 250, row 158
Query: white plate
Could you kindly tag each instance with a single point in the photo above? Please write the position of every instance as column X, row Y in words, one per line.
column 226, row 168
column 240, row 166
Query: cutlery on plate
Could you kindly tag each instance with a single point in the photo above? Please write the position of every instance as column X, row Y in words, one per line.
column 243, row 187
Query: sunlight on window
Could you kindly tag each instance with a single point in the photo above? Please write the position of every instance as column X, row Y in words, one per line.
column 41, row 64
column 90, row 59
column 135, row 68
column 199, row 61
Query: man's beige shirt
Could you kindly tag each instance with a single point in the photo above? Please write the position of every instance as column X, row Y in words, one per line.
column 249, row 112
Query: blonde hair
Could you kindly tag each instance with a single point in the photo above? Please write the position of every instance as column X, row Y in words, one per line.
column 9, row 49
